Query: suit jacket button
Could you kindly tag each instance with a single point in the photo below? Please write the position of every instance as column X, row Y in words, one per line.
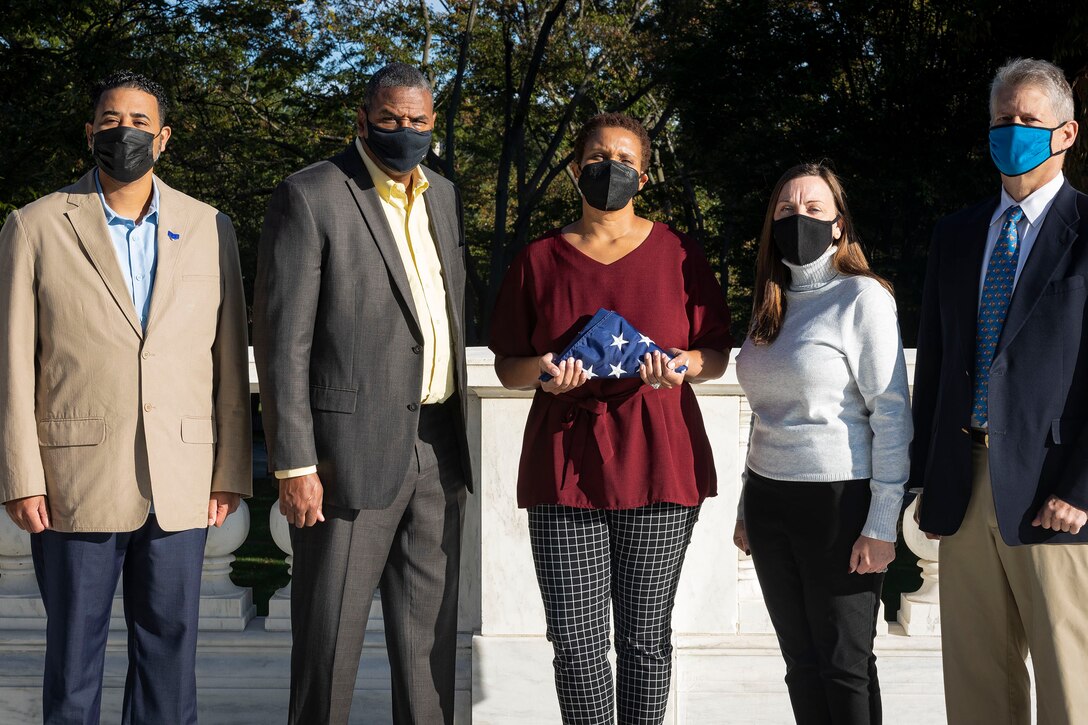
column 413, row 407
column 145, row 355
column 417, row 349
column 148, row 407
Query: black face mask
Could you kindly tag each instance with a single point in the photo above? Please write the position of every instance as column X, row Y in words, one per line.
column 401, row 150
column 801, row 239
column 124, row 153
column 608, row 185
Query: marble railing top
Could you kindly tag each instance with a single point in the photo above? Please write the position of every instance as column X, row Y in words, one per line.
column 483, row 381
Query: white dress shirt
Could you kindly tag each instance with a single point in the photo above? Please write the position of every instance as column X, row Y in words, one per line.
column 1035, row 207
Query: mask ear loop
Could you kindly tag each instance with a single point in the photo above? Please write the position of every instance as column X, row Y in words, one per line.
column 842, row 230
column 1062, row 151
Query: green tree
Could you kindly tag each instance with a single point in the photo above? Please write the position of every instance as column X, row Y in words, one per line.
column 894, row 94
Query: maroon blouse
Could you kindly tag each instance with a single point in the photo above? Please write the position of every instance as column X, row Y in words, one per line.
column 613, row 444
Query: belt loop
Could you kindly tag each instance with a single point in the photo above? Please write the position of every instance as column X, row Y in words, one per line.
column 978, row 435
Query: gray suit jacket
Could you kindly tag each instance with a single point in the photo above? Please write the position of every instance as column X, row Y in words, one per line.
column 335, row 336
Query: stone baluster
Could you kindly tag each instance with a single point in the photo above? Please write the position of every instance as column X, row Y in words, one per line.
column 279, row 606
column 20, row 603
column 223, row 604
column 920, row 611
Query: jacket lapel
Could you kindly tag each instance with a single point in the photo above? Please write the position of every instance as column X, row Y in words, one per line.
column 89, row 222
column 172, row 220
column 370, row 204
column 969, row 259
column 1051, row 246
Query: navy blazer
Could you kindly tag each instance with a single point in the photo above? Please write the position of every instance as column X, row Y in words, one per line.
column 1038, row 397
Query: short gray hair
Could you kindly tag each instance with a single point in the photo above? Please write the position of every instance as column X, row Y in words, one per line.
column 394, row 75
column 1039, row 73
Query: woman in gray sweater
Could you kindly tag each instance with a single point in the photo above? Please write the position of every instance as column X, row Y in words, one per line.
column 824, row 372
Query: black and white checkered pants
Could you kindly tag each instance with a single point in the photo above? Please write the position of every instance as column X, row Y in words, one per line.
column 586, row 558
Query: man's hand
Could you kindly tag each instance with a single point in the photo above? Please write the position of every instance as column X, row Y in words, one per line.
column 301, row 498
column 30, row 513
column 221, row 505
column 1057, row 515
column 870, row 556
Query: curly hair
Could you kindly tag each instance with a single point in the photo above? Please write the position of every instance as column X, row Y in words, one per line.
column 613, row 120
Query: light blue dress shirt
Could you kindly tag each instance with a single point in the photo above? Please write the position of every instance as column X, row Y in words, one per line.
column 136, row 248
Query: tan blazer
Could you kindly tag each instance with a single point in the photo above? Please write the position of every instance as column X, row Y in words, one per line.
column 98, row 414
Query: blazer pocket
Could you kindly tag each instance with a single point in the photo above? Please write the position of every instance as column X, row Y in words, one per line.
column 1065, row 430
column 335, row 400
column 198, row 430
column 1059, row 286
column 63, row 432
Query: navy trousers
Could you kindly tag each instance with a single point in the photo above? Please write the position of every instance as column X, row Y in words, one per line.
column 77, row 574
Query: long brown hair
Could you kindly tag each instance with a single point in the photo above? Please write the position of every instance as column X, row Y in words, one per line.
column 773, row 277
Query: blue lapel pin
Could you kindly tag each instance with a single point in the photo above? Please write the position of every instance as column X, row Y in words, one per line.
column 173, row 236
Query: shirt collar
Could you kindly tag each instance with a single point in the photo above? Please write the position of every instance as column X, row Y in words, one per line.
column 1033, row 205
column 386, row 187
column 113, row 217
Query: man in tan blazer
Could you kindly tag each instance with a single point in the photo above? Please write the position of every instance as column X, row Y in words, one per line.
column 124, row 397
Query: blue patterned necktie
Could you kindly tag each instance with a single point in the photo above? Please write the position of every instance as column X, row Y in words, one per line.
column 996, row 294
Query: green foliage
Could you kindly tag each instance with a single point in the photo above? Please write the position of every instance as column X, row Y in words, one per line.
column 734, row 91
column 895, row 95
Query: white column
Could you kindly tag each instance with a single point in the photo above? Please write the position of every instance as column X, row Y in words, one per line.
column 752, row 610
column 920, row 611
column 279, row 606
column 20, row 603
column 752, row 617
column 223, row 604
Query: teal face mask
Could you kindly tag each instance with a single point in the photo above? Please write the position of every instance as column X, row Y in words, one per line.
column 1017, row 149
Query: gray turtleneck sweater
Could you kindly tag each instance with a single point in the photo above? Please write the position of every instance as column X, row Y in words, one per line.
column 829, row 396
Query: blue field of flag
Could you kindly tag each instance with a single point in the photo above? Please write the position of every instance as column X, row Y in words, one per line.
column 610, row 347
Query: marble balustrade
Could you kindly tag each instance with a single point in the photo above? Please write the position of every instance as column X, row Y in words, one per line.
column 727, row 666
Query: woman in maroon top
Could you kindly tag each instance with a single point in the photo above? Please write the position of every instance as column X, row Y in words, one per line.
column 613, row 471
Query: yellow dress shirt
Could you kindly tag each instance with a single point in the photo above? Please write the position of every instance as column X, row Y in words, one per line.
column 410, row 224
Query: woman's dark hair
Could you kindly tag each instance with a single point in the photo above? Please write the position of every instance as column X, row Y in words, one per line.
column 612, row 120
column 773, row 277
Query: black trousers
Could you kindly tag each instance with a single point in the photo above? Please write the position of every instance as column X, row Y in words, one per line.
column 587, row 558
column 801, row 535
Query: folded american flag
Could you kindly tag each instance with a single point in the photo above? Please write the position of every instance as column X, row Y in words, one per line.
column 609, row 347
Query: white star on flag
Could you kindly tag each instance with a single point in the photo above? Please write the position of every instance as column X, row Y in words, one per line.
column 588, row 370
column 645, row 340
column 618, row 342
column 616, row 370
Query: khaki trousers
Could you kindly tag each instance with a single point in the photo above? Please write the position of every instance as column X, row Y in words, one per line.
column 999, row 602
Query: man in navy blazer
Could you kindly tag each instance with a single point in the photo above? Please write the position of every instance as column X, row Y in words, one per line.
column 1000, row 405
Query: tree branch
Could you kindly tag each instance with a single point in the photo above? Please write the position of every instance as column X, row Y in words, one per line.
column 454, row 105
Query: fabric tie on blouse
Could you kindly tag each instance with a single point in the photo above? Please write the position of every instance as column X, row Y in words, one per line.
column 580, row 424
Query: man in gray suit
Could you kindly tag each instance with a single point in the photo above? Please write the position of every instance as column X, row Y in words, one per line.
column 358, row 334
